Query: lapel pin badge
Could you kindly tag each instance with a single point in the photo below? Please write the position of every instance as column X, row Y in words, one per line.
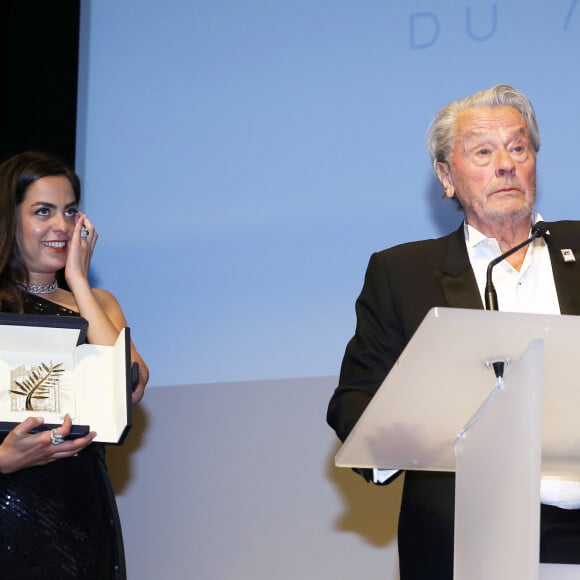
column 568, row 255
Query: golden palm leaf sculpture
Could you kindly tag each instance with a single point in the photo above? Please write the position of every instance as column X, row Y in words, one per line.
column 38, row 384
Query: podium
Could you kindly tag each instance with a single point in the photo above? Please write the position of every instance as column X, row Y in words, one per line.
column 442, row 407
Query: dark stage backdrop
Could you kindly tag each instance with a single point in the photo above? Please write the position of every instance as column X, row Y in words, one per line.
column 38, row 63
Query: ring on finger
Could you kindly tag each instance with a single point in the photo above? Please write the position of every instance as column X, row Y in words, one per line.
column 55, row 437
column 84, row 233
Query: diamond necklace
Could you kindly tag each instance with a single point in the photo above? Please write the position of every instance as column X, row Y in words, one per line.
column 40, row 288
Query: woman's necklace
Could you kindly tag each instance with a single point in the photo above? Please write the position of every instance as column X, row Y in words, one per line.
column 40, row 288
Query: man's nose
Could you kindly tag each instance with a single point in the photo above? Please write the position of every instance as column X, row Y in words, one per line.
column 505, row 165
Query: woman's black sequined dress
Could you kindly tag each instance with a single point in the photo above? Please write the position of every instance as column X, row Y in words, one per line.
column 60, row 521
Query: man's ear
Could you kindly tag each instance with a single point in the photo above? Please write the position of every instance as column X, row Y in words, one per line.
column 444, row 175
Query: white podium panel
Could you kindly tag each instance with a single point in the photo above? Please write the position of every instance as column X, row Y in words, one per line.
column 442, row 408
column 497, row 512
column 442, row 377
column 559, row 572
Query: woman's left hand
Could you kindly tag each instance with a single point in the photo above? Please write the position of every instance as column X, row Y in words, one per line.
column 80, row 252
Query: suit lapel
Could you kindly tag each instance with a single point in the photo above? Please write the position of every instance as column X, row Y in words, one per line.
column 456, row 278
column 458, row 282
column 566, row 274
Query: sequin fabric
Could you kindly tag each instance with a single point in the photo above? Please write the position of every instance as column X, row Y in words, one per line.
column 60, row 521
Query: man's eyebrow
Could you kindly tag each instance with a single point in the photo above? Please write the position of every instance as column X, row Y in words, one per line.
column 483, row 135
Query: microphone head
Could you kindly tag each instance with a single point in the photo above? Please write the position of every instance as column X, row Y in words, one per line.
column 539, row 229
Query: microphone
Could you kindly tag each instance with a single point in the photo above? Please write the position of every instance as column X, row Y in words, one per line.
column 539, row 229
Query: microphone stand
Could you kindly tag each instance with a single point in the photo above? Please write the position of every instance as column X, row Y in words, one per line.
column 538, row 230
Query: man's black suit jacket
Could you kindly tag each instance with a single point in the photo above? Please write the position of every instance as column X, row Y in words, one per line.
column 401, row 285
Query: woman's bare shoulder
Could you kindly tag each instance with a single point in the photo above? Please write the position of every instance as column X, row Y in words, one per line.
column 104, row 296
column 110, row 305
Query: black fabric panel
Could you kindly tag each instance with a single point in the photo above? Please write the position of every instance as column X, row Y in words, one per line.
column 39, row 42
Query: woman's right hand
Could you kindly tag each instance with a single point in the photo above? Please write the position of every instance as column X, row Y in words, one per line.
column 21, row 448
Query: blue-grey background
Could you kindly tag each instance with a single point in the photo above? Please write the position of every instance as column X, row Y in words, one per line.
column 242, row 159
